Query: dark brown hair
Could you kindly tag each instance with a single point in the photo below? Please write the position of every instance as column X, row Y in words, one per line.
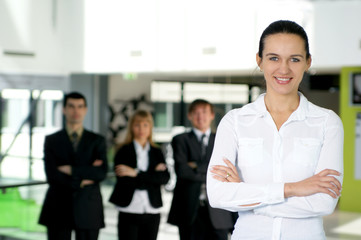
column 284, row 26
column 74, row 95
column 199, row 102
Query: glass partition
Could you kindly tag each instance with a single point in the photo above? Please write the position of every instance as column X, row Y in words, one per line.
column 26, row 117
column 171, row 100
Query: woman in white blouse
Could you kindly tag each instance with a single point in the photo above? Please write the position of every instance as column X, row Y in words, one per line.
column 279, row 160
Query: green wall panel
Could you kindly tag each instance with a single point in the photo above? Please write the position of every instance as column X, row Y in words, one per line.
column 16, row 212
column 351, row 190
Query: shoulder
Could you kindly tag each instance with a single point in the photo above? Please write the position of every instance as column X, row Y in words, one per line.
column 125, row 150
column 156, row 149
column 126, row 147
column 181, row 137
column 252, row 109
column 55, row 135
column 91, row 134
column 244, row 115
column 94, row 138
column 320, row 115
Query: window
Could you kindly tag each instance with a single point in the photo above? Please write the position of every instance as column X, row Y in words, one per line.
column 27, row 116
column 171, row 101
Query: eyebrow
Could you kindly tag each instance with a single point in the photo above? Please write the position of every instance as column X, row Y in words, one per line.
column 293, row 55
column 76, row 105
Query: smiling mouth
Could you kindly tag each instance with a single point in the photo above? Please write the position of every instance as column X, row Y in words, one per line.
column 283, row 79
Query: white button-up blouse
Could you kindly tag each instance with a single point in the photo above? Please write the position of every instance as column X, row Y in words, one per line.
column 310, row 141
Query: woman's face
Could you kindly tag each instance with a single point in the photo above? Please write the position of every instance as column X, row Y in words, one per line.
column 141, row 130
column 283, row 63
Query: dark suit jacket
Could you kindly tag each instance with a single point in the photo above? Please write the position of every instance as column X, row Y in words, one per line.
column 150, row 180
column 66, row 203
column 184, row 208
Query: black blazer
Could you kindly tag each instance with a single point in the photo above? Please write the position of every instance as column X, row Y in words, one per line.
column 184, row 208
column 66, row 203
column 150, row 180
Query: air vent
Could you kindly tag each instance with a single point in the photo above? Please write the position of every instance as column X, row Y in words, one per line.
column 209, row 51
column 136, row 53
column 18, row 53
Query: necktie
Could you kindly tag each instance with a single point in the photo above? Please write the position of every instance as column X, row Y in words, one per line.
column 203, row 147
column 203, row 194
column 75, row 140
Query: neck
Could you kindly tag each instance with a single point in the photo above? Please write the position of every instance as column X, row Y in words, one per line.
column 74, row 126
column 281, row 103
column 202, row 130
column 142, row 142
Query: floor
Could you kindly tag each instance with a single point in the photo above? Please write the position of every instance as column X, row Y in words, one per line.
column 338, row 226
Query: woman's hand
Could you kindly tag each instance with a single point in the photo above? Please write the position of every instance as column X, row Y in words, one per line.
column 228, row 174
column 122, row 170
column 225, row 173
column 322, row 182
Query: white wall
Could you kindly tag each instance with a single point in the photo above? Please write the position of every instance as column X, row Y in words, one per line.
column 50, row 32
column 180, row 36
column 160, row 36
column 70, row 28
column 337, row 34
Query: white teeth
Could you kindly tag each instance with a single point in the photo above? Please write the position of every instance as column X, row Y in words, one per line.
column 283, row 79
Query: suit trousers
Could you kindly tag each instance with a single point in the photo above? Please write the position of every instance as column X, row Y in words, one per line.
column 59, row 233
column 202, row 228
column 138, row 226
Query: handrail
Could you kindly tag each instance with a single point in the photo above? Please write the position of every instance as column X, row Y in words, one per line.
column 27, row 119
column 14, row 182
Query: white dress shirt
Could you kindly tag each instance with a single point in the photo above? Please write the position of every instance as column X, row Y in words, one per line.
column 310, row 141
column 140, row 203
column 199, row 134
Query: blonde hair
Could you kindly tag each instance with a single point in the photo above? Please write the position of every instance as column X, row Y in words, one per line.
column 142, row 115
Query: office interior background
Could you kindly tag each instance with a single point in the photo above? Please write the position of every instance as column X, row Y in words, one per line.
column 159, row 55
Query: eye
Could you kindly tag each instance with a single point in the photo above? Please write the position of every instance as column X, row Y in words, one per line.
column 273, row 58
column 295, row 60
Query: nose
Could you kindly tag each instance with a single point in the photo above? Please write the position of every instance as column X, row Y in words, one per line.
column 284, row 67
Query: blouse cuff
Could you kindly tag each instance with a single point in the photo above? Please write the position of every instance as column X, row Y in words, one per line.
column 275, row 193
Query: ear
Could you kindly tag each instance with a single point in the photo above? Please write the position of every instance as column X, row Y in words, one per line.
column 309, row 61
column 189, row 116
column 259, row 61
column 213, row 116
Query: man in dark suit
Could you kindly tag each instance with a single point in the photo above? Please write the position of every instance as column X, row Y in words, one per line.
column 75, row 162
column 190, row 209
